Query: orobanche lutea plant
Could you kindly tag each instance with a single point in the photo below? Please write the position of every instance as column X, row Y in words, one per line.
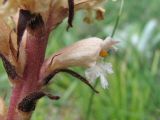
column 25, row 26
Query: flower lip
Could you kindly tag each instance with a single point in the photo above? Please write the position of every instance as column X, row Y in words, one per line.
column 100, row 70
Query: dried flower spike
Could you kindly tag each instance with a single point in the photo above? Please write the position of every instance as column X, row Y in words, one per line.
column 24, row 33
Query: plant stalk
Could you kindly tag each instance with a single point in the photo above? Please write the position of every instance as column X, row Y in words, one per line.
column 35, row 53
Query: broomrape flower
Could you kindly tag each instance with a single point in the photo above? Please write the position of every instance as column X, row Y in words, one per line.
column 24, row 33
column 86, row 53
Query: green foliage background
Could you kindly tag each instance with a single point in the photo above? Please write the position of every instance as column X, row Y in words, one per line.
column 133, row 92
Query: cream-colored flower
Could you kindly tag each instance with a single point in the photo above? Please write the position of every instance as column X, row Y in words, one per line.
column 85, row 53
column 5, row 32
column 8, row 47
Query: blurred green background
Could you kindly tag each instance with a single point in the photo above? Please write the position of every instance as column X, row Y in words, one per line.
column 134, row 87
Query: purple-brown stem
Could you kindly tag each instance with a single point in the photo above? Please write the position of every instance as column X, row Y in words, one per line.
column 35, row 52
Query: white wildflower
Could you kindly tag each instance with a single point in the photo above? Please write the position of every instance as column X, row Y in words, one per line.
column 100, row 70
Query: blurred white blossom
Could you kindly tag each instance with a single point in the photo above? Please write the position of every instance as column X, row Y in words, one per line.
column 100, row 70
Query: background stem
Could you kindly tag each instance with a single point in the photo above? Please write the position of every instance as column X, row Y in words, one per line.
column 118, row 18
column 90, row 102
